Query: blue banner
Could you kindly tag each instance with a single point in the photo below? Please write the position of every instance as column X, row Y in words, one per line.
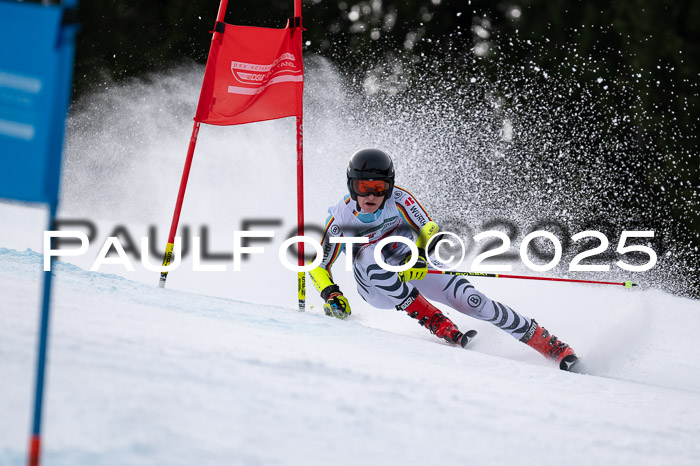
column 37, row 44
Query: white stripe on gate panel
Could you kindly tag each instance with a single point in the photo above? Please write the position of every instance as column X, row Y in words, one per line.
column 17, row 130
column 258, row 90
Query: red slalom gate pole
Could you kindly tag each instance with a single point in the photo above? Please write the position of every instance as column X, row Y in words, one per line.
column 178, row 204
column 524, row 277
column 186, row 173
column 301, row 276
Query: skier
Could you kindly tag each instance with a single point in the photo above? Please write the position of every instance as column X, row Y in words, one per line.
column 377, row 209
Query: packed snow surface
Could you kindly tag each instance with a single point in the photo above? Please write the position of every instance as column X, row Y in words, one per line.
column 220, row 368
column 142, row 375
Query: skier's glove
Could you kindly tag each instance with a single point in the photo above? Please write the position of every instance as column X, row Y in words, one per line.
column 336, row 304
column 419, row 269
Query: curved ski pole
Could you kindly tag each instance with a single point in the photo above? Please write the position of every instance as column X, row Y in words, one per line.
column 627, row 284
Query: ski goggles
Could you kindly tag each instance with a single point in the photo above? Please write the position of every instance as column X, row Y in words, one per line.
column 367, row 187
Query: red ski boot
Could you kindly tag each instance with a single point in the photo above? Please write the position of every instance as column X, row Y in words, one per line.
column 550, row 346
column 431, row 317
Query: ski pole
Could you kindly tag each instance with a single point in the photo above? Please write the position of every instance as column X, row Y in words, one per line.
column 627, row 284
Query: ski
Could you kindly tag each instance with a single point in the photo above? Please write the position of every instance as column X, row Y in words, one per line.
column 569, row 363
column 467, row 337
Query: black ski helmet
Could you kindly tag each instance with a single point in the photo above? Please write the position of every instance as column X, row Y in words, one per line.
column 370, row 164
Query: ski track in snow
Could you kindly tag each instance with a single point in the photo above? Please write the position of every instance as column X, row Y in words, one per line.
column 141, row 375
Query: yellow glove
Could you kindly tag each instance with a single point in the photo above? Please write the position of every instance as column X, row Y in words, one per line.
column 419, row 269
column 336, row 304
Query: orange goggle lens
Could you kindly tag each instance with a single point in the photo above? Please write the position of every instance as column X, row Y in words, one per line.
column 367, row 187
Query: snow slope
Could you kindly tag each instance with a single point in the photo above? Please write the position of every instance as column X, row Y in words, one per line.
column 141, row 375
column 219, row 368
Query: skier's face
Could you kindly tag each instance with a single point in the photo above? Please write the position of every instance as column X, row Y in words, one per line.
column 369, row 204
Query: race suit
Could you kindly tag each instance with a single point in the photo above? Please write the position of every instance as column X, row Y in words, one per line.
column 403, row 215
